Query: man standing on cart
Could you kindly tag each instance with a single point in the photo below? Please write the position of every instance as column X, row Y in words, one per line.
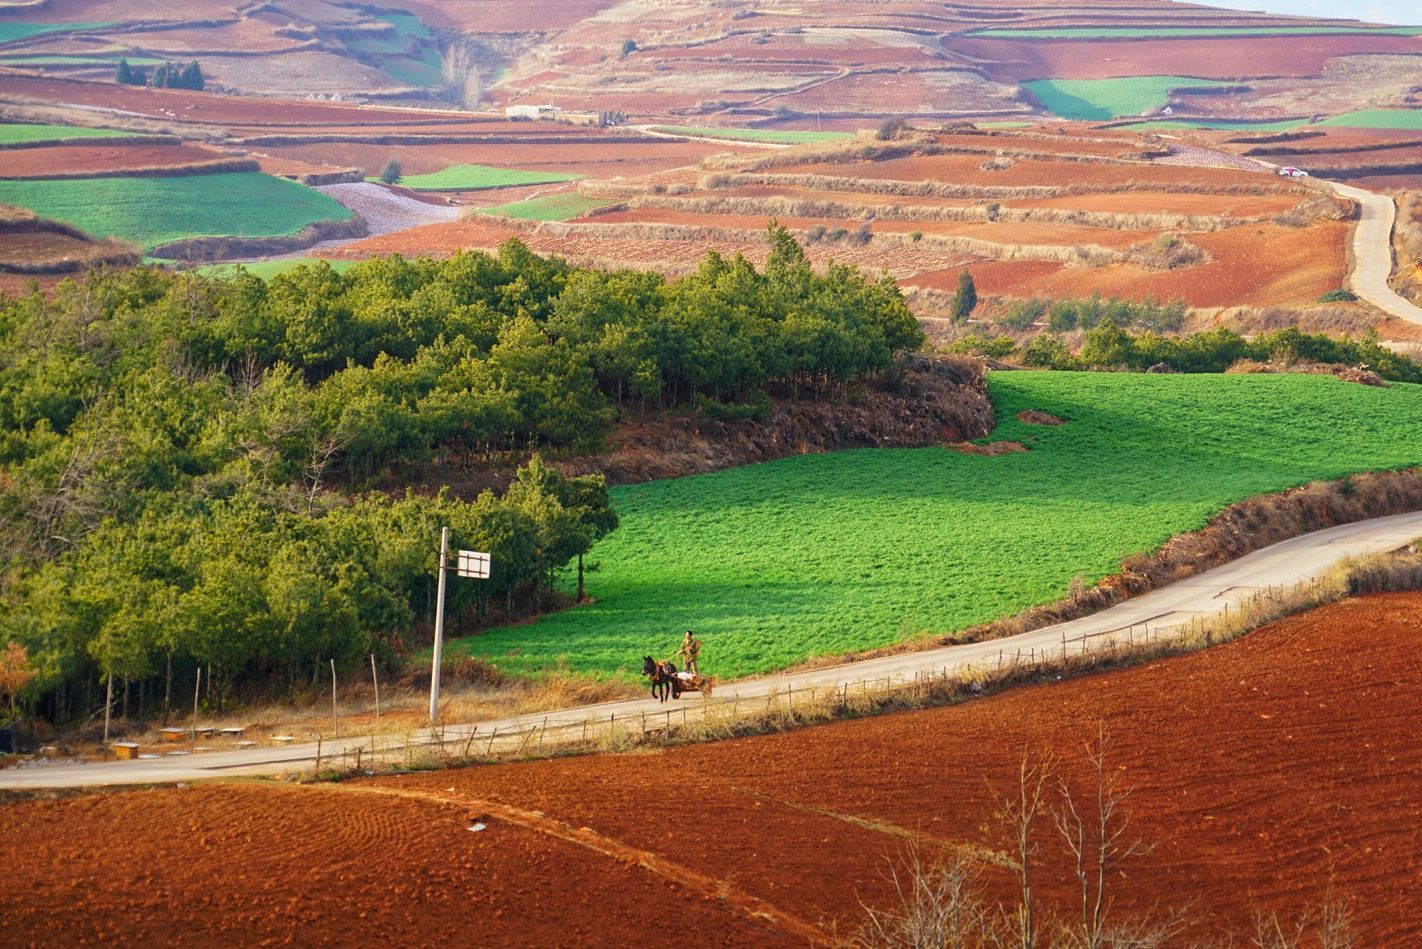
column 690, row 649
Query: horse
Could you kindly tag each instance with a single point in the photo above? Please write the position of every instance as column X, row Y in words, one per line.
column 663, row 676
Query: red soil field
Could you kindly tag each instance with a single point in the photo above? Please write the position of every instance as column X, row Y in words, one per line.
column 1259, row 769
column 1155, row 202
column 270, row 864
column 100, row 159
column 965, row 169
column 632, row 158
column 1220, row 58
column 1254, row 264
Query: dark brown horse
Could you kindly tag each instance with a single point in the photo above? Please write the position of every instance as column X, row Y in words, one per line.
column 663, row 676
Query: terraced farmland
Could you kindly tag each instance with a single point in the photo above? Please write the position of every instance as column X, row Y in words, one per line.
column 819, row 555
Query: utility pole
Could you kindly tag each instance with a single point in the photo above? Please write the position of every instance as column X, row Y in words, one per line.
column 470, row 563
column 439, row 626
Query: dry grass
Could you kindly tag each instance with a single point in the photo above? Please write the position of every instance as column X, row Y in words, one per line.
column 787, row 206
column 1328, row 318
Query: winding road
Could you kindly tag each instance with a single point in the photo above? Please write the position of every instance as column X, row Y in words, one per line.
column 1163, row 612
column 1372, row 252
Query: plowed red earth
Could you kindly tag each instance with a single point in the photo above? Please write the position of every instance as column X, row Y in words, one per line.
column 1254, row 264
column 101, row 159
column 1259, row 770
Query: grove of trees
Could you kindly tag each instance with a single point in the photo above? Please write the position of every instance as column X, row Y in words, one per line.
column 205, row 471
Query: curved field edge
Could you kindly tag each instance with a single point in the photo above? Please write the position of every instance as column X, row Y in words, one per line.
column 823, row 555
column 158, row 211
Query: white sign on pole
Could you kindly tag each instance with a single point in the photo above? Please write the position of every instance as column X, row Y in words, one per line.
column 472, row 563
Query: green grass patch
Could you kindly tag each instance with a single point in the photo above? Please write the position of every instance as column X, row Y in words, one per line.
column 155, row 211
column 1405, row 119
column 1130, row 32
column 552, row 207
column 1399, row 119
column 817, row 555
column 781, row 136
column 14, row 134
column 267, row 269
column 1100, row 99
column 13, row 32
column 475, row 177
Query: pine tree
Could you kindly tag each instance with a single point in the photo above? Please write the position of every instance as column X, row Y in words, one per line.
column 965, row 298
column 392, row 172
column 192, row 77
column 123, row 75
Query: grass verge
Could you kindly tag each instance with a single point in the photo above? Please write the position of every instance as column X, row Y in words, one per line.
column 15, row 134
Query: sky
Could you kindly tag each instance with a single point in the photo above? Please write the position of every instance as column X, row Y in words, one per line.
column 1399, row 12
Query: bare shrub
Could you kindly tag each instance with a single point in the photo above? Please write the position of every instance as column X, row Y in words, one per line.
column 1318, row 208
column 1167, row 252
column 937, row 905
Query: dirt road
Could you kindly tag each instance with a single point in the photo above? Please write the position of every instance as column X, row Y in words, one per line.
column 1285, row 564
column 1372, row 252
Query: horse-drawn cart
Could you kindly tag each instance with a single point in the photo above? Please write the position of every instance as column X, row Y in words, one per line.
column 691, row 682
column 667, row 682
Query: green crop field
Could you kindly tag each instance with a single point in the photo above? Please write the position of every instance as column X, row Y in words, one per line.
column 1131, row 32
column 476, row 177
column 12, row 134
column 781, row 136
column 155, row 211
column 267, row 269
column 817, row 555
column 552, row 207
column 1100, row 99
column 1393, row 119
column 12, row 32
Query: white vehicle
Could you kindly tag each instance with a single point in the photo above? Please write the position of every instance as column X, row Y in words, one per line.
column 1291, row 172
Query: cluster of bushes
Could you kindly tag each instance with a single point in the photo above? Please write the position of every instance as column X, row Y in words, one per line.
column 169, row 442
column 1109, row 346
column 1066, row 315
column 165, row 76
column 246, row 586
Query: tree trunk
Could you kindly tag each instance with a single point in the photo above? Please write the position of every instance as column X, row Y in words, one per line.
column 168, row 690
column 581, row 593
column 108, row 707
